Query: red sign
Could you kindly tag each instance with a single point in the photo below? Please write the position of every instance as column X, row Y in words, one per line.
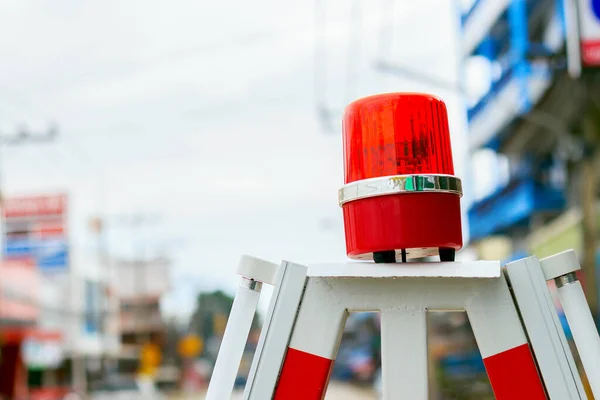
column 35, row 228
column 589, row 31
column 35, row 206
column 590, row 52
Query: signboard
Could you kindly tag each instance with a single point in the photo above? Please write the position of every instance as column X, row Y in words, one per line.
column 589, row 27
column 19, row 292
column 35, row 228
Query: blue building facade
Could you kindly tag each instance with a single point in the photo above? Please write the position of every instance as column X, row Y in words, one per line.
column 522, row 41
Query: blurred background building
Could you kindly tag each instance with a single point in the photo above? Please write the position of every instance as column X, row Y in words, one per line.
column 535, row 129
column 140, row 284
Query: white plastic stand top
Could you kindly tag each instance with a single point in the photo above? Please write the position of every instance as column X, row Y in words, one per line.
column 473, row 269
column 257, row 269
column 560, row 264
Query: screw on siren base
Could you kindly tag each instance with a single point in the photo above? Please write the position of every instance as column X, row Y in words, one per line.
column 400, row 199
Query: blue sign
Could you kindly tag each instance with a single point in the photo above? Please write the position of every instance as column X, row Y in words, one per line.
column 46, row 253
column 596, row 8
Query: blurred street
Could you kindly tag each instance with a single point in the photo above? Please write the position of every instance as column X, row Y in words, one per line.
column 336, row 391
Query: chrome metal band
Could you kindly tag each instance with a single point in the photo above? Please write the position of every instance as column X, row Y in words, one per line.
column 251, row 284
column 397, row 184
column 565, row 280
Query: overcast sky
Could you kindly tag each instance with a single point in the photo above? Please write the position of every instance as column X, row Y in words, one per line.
column 203, row 114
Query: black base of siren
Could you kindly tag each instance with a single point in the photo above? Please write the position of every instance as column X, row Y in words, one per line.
column 447, row 254
column 389, row 256
column 384, row 257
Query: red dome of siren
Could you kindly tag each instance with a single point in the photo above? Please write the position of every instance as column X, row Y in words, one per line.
column 396, row 134
column 401, row 198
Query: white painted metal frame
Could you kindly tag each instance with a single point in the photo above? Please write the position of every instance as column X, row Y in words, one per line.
column 477, row 269
column 552, row 352
column 233, row 344
column 254, row 273
column 408, row 322
column 309, row 308
column 403, row 293
column 562, row 267
column 277, row 328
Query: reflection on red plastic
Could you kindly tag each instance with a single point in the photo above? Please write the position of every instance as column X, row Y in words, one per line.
column 396, row 134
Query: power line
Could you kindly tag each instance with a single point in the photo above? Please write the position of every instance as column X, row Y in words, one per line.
column 386, row 29
column 320, row 66
column 402, row 70
column 353, row 56
column 24, row 136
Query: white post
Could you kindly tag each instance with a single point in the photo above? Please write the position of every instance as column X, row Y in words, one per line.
column 584, row 331
column 234, row 340
column 404, row 353
column 561, row 267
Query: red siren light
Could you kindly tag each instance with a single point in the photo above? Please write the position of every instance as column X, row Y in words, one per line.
column 400, row 199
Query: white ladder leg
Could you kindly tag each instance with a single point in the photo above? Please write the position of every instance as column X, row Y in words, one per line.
column 562, row 267
column 276, row 331
column 538, row 313
column 234, row 340
column 585, row 333
column 404, row 354
column 254, row 272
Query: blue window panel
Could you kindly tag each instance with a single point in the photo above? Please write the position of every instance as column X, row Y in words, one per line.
column 512, row 47
column 512, row 206
column 519, row 44
column 488, row 48
column 496, row 87
column 490, row 124
column 484, row 17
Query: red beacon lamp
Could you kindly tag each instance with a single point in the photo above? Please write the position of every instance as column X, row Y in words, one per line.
column 400, row 199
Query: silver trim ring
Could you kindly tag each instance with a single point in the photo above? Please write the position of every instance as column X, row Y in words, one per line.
column 397, row 184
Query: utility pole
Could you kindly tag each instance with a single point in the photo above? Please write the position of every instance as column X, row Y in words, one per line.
column 589, row 189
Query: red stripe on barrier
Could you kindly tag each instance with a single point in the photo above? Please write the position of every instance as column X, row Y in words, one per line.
column 304, row 376
column 514, row 376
